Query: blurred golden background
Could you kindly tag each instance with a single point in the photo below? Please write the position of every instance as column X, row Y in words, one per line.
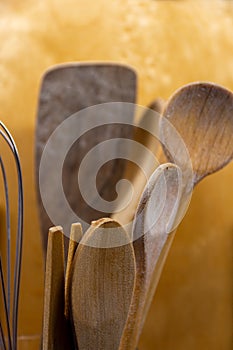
column 169, row 43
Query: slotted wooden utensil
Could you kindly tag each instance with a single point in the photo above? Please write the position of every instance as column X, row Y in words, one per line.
column 65, row 90
column 103, row 276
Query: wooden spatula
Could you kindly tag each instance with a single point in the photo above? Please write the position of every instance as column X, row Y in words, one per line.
column 103, row 278
column 56, row 331
column 65, row 90
column 75, row 237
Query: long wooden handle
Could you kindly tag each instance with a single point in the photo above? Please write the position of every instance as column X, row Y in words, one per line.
column 156, row 275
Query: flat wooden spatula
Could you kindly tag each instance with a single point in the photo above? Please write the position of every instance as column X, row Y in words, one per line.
column 56, row 329
column 102, row 285
column 65, row 90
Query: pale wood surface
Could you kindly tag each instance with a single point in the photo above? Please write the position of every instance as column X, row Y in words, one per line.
column 203, row 115
column 75, row 237
column 102, row 286
column 132, row 172
column 150, row 237
column 56, row 331
column 149, row 265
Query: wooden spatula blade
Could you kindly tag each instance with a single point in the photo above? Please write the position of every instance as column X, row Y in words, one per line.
column 102, row 286
column 65, row 90
column 56, row 331
column 75, row 237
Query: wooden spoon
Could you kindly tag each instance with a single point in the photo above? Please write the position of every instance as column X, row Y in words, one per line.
column 153, row 221
column 65, row 90
column 102, row 285
column 203, row 115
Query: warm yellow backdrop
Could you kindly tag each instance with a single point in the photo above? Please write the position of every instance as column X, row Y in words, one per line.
column 170, row 43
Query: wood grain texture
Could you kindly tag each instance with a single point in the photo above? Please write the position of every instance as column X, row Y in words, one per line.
column 155, row 214
column 56, row 331
column 203, row 115
column 75, row 237
column 102, row 286
column 65, row 90
column 135, row 175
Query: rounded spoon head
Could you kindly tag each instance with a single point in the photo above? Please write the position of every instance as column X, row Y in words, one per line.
column 203, row 115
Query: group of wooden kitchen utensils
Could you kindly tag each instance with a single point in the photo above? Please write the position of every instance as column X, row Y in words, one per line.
column 98, row 294
column 102, row 272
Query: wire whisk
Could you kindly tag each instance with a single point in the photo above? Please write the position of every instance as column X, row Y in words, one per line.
column 9, row 319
